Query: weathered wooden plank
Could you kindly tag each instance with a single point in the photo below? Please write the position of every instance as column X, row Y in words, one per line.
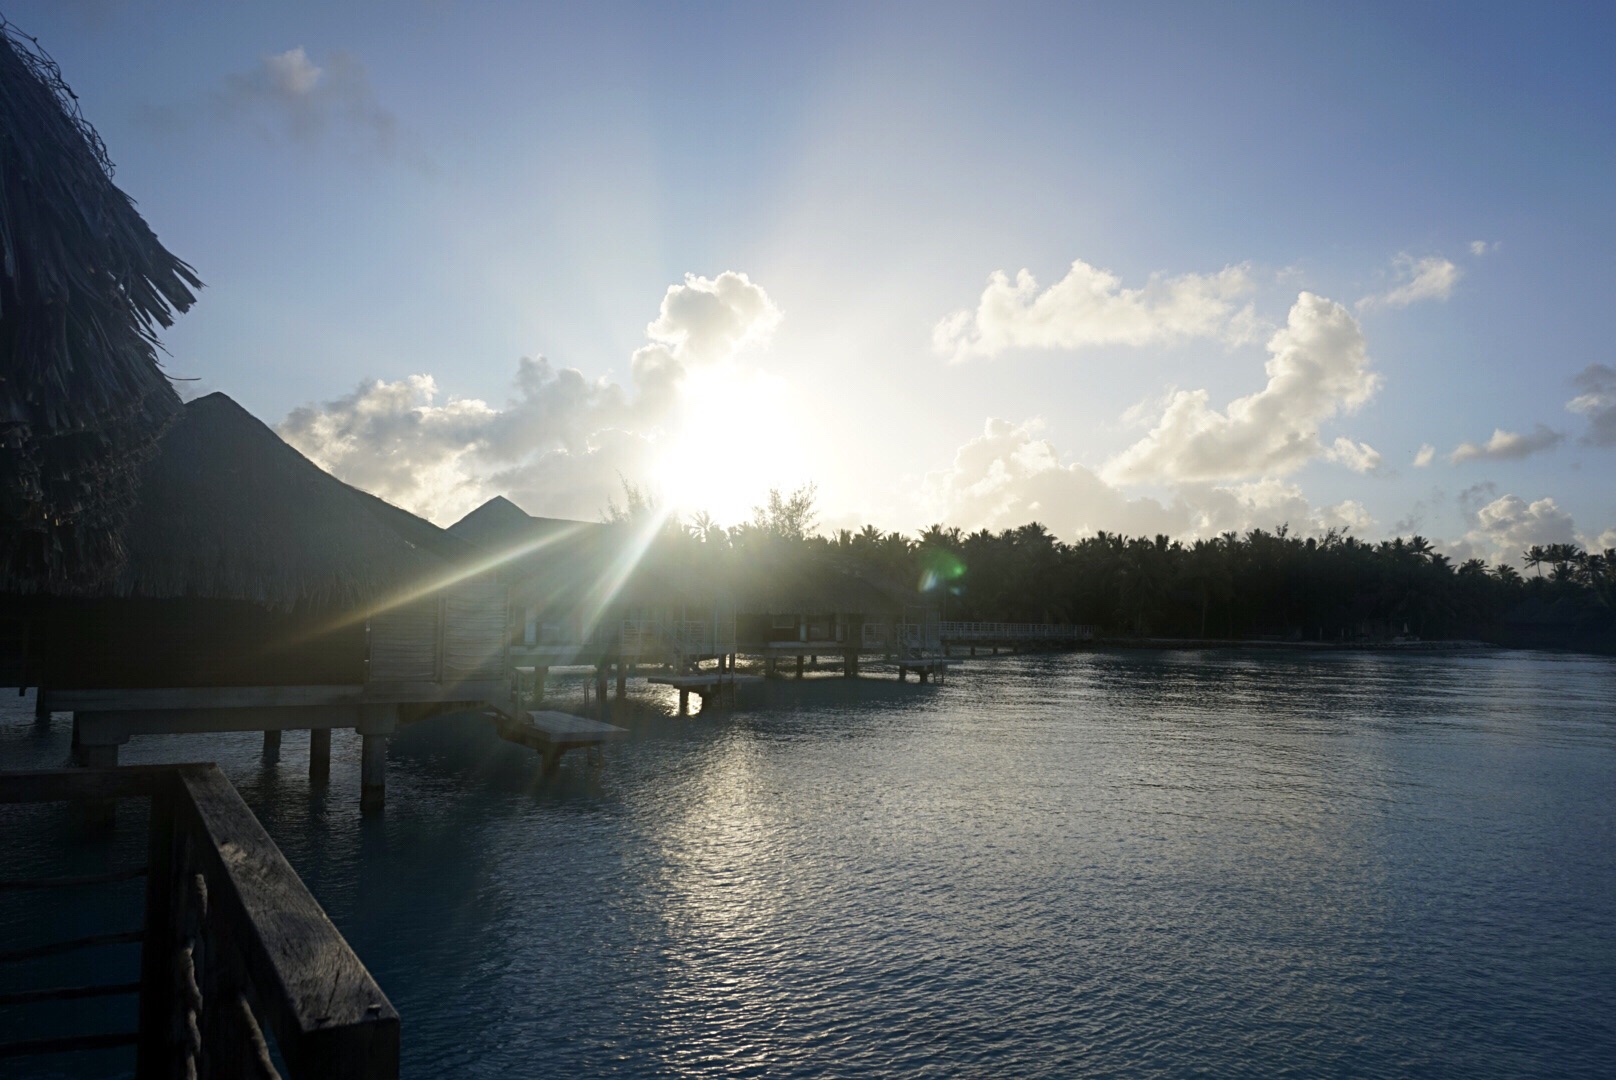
column 68, row 993
column 203, row 697
column 560, row 725
column 56, row 948
column 270, row 697
column 328, row 1015
column 72, row 882
column 34, row 1047
column 153, row 1054
column 702, row 682
column 66, row 785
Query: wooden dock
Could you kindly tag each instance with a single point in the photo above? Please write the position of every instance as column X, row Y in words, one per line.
column 554, row 733
column 925, row 667
column 704, row 684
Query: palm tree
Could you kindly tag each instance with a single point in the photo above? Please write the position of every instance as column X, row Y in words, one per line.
column 1534, row 557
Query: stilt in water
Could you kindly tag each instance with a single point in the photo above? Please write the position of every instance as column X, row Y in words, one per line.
column 272, row 747
column 320, row 756
column 372, row 773
column 799, row 667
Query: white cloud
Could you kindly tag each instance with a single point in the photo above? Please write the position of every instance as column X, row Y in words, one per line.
column 1606, row 540
column 1508, row 445
column 1424, row 456
column 1430, row 278
column 559, row 443
column 291, row 96
column 1357, row 456
column 1010, row 475
column 1090, row 307
column 1478, row 248
column 1509, row 525
column 1596, row 400
column 1318, row 367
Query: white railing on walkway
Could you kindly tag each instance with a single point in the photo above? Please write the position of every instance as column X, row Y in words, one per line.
column 1005, row 631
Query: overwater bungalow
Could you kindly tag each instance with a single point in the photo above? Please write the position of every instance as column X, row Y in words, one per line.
column 260, row 593
column 796, row 605
column 597, row 594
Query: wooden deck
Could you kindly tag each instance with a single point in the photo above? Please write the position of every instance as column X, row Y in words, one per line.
column 554, row 733
column 707, row 685
column 925, row 667
column 237, row 958
column 704, row 682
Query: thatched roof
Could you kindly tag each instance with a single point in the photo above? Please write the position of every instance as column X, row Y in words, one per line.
column 84, row 285
column 229, row 511
column 573, row 564
column 501, row 523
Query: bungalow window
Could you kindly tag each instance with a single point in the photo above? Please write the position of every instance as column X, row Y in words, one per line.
column 785, row 622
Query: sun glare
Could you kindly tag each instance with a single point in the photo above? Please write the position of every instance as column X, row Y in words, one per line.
column 737, row 434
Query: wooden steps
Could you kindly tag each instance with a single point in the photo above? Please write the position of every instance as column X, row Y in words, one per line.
column 554, row 733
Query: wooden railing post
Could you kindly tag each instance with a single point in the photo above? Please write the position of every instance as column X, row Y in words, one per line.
column 155, row 1052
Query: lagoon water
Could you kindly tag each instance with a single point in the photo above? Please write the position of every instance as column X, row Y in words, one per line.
column 1105, row 863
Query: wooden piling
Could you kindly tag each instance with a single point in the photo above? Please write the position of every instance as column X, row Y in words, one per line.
column 799, row 666
column 622, row 678
column 272, row 747
column 372, row 773
column 319, row 755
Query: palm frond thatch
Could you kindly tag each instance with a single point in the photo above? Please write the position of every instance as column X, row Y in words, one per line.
column 229, row 511
column 84, row 287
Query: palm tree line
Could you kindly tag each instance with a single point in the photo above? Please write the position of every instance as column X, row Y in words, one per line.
column 1274, row 584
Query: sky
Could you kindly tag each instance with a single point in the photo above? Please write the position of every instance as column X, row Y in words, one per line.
column 1148, row 268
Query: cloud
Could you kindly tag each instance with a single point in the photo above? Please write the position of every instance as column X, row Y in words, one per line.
column 1010, row 475
column 288, row 94
column 703, row 321
column 1318, row 366
column 288, row 98
column 1478, row 248
column 560, row 442
column 1509, row 525
column 1357, row 456
column 1430, row 278
column 1089, row 307
column 1423, row 457
column 1508, row 445
column 1596, row 399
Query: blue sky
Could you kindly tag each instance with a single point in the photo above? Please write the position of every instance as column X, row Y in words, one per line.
column 1405, row 208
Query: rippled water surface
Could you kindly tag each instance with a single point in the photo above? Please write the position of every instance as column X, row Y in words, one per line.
column 1130, row 864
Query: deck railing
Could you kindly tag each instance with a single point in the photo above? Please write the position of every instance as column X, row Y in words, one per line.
column 1006, row 631
column 236, row 955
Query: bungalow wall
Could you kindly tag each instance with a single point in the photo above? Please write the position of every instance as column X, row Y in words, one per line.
column 127, row 643
column 455, row 636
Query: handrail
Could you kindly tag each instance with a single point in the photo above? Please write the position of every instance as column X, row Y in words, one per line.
column 1007, row 631
column 232, row 939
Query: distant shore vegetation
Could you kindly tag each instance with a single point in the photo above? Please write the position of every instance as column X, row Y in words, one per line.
column 1257, row 585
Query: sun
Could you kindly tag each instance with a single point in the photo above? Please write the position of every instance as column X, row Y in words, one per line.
column 735, row 434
